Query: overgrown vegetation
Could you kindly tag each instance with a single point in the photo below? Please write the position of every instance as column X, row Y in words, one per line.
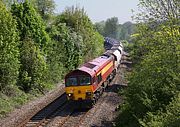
column 152, row 96
column 37, row 48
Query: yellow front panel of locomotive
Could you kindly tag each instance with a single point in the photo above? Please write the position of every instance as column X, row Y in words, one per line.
column 79, row 92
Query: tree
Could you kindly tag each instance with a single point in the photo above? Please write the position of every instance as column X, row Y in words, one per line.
column 111, row 27
column 33, row 67
column 118, row 31
column 159, row 10
column 66, row 48
column 78, row 21
column 9, row 52
column 8, row 3
column 33, row 45
column 154, row 81
column 29, row 23
column 169, row 118
column 100, row 27
column 125, row 31
column 45, row 7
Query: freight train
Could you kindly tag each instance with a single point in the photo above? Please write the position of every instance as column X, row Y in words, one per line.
column 89, row 81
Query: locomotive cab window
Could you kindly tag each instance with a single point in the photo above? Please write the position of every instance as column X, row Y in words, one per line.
column 72, row 81
column 84, row 80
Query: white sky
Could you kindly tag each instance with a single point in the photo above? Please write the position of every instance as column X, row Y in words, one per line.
column 99, row 10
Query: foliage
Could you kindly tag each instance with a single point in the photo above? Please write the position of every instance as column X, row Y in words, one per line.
column 111, row 27
column 155, row 80
column 34, row 40
column 65, row 52
column 158, row 10
column 33, row 67
column 8, row 3
column 8, row 103
column 22, row 64
column 125, row 31
column 152, row 93
column 79, row 22
column 29, row 23
column 45, row 8
column 125, row 45
column 9, row 53
column 100, row 27
column 170, row 118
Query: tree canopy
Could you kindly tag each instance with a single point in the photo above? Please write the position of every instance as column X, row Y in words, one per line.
column 29, row 23
column 112, row 28
column 77, row 20
column 45, row 8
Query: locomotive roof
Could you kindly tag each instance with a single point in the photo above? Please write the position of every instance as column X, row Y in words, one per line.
column 93, row 66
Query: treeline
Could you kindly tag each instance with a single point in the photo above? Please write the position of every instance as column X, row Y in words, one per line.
column 37, row 47
column 152, row 98
column 112, row 28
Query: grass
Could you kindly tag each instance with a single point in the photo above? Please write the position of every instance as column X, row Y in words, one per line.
column 14, row 101
column 14, row 98
column 8, row 103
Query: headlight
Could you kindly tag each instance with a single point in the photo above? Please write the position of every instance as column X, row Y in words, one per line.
column 70, row 94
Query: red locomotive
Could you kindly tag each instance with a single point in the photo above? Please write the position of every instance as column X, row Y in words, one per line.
column 88, row 82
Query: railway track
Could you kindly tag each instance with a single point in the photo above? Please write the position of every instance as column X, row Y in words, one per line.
column 43, row 117
column 68, row 117
column 75, row 118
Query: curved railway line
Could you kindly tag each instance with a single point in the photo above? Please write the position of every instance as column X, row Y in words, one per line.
column 66, row 114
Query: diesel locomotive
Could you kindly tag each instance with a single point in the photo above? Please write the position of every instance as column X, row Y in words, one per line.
column 89, row 81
